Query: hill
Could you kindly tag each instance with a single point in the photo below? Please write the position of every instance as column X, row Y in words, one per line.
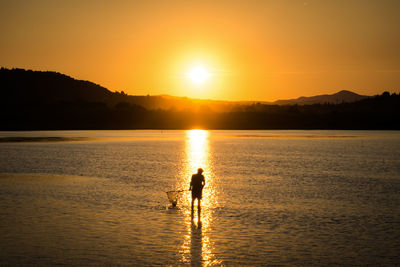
column 46, row 87
column 337, row 98
column 19, row 85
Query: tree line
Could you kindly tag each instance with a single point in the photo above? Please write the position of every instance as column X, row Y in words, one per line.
column 379, row 112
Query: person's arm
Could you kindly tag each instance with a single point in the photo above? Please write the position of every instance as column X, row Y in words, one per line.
column 190, row 186
column 203, row 182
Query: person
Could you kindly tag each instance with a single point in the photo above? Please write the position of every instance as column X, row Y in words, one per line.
column 196, row 186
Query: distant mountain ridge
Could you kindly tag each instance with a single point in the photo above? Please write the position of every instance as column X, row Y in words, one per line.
column 19, row 85
column 343, row 96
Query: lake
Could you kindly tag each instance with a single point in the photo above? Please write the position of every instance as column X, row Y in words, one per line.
column 274, row 198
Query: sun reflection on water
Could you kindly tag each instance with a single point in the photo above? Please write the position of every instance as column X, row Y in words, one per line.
column 197, row 248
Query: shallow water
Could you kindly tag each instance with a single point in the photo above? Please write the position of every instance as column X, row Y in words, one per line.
column 271, row 198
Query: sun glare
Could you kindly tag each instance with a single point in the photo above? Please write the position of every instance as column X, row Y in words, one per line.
column 199, row 74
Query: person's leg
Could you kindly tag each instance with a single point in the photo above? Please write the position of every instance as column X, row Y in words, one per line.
column 193, row 203
column 198, row 204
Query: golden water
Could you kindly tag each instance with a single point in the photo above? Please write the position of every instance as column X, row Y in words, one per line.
column 271, row 198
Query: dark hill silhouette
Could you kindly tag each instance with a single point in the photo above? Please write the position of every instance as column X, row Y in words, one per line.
column 35, row 100
column 343, row 96
column 49, row 87
column 46, row 87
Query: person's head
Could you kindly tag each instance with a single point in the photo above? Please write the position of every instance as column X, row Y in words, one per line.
column 200, row 170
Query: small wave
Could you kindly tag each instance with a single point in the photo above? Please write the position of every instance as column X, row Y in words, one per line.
column 41, row 139
column 296, row 136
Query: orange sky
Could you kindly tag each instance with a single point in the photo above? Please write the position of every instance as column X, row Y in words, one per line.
column 255, row 50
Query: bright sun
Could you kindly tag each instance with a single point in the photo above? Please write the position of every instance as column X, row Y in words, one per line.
column 198, row 74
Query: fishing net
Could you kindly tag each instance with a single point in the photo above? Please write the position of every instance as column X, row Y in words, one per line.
column 173, row 197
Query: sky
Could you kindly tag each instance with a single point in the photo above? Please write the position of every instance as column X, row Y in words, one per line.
column 251, row 50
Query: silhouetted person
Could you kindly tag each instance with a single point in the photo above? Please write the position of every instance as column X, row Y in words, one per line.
column 196, row 186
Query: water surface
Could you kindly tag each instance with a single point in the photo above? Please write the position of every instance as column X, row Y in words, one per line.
column 272, row 198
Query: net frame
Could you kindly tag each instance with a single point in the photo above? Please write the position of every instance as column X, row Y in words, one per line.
column 173, row 197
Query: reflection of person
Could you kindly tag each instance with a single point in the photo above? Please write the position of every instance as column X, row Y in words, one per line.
column 196, row 186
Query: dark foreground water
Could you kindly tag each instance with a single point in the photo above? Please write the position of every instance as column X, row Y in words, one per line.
column 272, row 198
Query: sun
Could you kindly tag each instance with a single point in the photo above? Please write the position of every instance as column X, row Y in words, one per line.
column 199, row 74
